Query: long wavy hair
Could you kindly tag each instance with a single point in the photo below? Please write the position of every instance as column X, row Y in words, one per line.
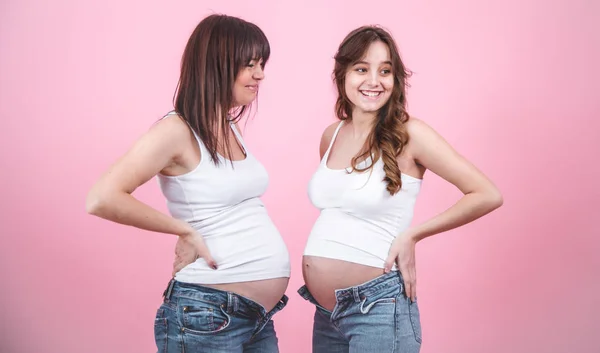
column 389, row 136
column 217, row 50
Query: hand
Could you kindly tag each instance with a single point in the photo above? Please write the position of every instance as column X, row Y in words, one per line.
column 402, row 252
column 189, row 248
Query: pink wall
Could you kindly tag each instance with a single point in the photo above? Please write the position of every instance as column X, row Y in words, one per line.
column 513, row 85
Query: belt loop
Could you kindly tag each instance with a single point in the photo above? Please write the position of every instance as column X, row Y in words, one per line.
column 356, row 294
column 169, row 290
column 231, row 304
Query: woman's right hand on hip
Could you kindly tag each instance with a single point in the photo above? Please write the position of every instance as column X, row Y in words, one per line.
column 188, row 249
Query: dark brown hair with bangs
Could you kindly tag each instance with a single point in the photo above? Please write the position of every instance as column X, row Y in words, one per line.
column 217, row 50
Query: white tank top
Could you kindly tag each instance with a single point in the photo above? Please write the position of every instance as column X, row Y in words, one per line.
column 223, row 204
column 359, row 218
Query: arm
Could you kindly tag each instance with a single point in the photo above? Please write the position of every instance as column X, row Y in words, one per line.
column 110, row 197
column 481, row 196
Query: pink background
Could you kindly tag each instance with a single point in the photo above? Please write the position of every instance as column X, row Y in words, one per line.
column 513, row 85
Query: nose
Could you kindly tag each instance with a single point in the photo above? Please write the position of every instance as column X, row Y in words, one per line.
column 258, row 73
column 373, row 78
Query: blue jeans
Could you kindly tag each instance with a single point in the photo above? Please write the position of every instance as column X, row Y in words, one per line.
column 195, row 319
column 373, row 317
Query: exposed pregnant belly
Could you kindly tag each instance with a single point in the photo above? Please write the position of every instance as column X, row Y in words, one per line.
column 266, row 292
column 323, row 276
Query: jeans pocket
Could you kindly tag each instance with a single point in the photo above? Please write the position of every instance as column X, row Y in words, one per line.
column 367, row 305
column 381, row 296
column 415, row 319
column 160, row 331
column 203, row 318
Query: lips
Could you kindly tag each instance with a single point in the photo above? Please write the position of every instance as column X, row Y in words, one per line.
column 253, row 88
column 371, row 94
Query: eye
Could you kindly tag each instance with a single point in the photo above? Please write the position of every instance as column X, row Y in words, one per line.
column 386, row 71
column 361, row 69
column 254, row 62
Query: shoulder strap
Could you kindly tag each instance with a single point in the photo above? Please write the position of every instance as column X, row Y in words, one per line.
column 171, row 113
column 332, row 140
column 239, row 137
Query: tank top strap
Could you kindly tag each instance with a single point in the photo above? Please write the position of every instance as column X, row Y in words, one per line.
column 239, row 137
column 200, row 143
column 326, row 155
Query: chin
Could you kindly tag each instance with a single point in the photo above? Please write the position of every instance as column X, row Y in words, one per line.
column 245, row 102
column 369, row 109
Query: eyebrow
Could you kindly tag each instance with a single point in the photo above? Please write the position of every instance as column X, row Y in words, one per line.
column 366, row 63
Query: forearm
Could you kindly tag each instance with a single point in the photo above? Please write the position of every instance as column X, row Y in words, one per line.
column 123, row 208
column 469, row 208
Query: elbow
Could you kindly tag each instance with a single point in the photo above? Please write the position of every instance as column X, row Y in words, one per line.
column 94, row 204
column 97, row 203
column 495, row 200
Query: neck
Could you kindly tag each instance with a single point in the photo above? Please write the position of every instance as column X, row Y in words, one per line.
column 220, row 122
column 362, row 123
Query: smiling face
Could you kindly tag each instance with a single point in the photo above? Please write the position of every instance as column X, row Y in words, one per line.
column 247, row 81
column 370, row 81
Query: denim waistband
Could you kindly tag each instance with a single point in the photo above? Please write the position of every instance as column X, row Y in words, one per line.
column 357, row 293
column 231, row 302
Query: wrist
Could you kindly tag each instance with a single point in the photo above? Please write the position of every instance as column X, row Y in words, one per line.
column 412, row 234
column 186, row 229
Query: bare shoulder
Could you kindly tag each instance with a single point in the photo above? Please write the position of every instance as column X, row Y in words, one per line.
column 171, row 127
column 430, row 150
column 420, row 133
column 326, row 137
column 155, row 150
column 417, row 127
column 328, row 132
column 169, row 135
